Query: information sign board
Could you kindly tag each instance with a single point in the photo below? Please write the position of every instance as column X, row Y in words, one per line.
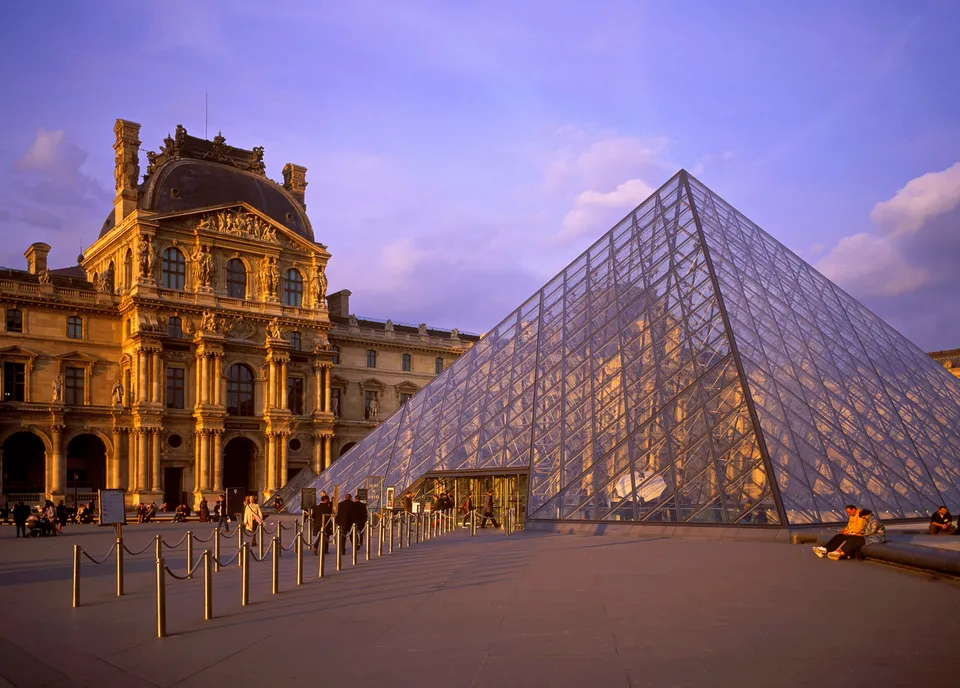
column 362, row 494
column 391, row 491
column 234, row 500
column 308, row 498
column 112, row 510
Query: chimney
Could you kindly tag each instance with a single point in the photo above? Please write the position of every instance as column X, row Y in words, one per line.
column 295, row 181
column 36, row 257
column 126, row 172
column 338, row 303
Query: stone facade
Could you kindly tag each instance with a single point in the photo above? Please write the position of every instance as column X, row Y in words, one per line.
column 191, row 349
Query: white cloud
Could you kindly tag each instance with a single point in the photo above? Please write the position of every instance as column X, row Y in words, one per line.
column 595, row 211
column 872, row 265
column 52, row 155
column 923, row 198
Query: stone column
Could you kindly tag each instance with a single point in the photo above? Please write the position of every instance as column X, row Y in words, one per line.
column 199, row 380
column 155, row 387
column 217, row 382
column 113, row 474
column 204, row 463
column 284, row 401
column 141, row 375
column 155, row 461
column 143, row 461
column 282, row 473
column 326, row 387
column 317, row 388
column 317, row 461
column 196, row 460
column 131, row 461
column 270, row 466
column 57, row 467
column 217, row 461
column 272, row 386
column 327, row 451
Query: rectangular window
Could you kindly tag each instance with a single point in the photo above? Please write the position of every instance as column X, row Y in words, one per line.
column 295, row 395
column 176, row 378
column 174, row 327
column 405, row 363
column 404, row 398
column 73, row 386
column 336, row 355
column 14, row 320
column 75, row 327
column 438, row 365
column 14, row 381
column 371, row 359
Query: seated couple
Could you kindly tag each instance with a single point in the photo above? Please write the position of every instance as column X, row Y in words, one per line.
column 863, row 528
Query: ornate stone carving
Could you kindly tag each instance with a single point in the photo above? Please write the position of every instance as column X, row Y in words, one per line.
column 353, row 321
column 274, row 331
column 320, row 287
column 388, row 326
column 211, row 323
column 422, row 329
column 147, row 256
column 202, row 266
column 117, row 393
column 269, row 277
column 44, row 276
column 57, row 389
column 244, row 329
column 454, row 333
column 238, row 223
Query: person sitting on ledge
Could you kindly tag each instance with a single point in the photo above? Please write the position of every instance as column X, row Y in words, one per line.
column 941, row 522
column 874, row 533
column 855, row 526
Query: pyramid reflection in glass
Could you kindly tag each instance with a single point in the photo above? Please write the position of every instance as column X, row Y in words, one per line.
column 685, row 368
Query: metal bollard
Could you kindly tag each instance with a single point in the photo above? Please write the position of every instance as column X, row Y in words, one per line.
column 189, row 553
column 119, row 566
column 239, row 543
column 275, row 587
column 207, row 586
column 258, row 534
column 380, row 536
column 353, row 545
column 473, row 524
column 390, row 541
column 161, row 601
column 159, row 547
column 244, row 575
column 299, row 547
column 366, row 550
column 216, row 550
column 322, row 554
column 280, row 540
column 339, row 548
column 76, row 575
column 400, row 531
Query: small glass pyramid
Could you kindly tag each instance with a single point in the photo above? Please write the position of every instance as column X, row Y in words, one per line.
column 687, row 367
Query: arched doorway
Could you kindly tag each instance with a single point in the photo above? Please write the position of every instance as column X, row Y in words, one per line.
column 345, row 448
column 86, row 467
column 24, row 465
column 240, row 464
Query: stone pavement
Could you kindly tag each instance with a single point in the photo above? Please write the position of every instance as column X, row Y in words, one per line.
column 530, row 610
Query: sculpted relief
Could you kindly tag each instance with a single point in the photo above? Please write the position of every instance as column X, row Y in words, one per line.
column 238, row 223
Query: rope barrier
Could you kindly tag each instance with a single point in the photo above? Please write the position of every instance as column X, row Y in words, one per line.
column 189, row 573
column 207, row 540
column 132, row 553
column 166, row 544
column 229, row 561
column 265, row 553
column 111, row 551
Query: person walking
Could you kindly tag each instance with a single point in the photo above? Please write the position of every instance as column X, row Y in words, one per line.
column 20, row 514
column 408, row 502
column 488, row 510
column 466, row 508
column 220, row 513
column 359, row 520
column 344, row 520
column 61, row 516
column 252, row 516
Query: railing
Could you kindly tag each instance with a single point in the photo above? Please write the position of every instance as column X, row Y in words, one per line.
column 25, row 287
column 393, row 529
column 28, row 498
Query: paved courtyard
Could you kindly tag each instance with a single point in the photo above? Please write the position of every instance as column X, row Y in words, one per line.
column 532, row 610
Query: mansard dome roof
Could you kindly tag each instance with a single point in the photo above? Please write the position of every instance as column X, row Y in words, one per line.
column 191, row 173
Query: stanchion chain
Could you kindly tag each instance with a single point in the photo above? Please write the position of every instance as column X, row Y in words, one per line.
column 212, row 533
column 84, row 552
column 189, row 573
column 174, row 546
column 133, row 554
column 229, row 561
column 269, row 547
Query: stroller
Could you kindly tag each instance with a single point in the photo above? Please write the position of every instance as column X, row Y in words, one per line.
column 39, row 527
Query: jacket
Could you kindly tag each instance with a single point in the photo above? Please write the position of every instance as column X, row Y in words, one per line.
column 856, row 524
column 344, row 517
column 251, row 515
column 874, row 532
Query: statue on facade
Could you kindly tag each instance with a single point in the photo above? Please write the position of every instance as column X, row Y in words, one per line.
column 273, row 330
column 335, row 406
column 147, row 256
column 274, row 276
column 211, row 323
column 388, row 326
column 57, row 389
column 422, row 329
column 373, row 412
column 118, row 393
column 353, row 321
column 44, row 276
column 202, row 265
column 268, row 276
column 454, row 333
column 320, row 288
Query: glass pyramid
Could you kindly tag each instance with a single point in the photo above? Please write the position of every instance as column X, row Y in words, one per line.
column 685, row 368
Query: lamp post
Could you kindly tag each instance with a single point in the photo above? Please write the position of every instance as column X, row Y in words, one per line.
column 76, row 478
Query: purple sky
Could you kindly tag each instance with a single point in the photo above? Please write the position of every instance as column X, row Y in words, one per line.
column 460, row 154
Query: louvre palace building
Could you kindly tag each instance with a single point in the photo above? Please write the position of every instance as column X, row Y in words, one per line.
column 195, row 345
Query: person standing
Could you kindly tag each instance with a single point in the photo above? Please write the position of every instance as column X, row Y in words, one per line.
column 204, row 510
column 488, row 510
column 359, row 520
column 344, row 521
column 20, row 514
column 61, row 516
column 322, row 519
column 408, row 502
column 467, row 508
column 220, row 512
column 252, row 516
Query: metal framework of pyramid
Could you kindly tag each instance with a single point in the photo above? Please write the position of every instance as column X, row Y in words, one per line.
column 688, row 368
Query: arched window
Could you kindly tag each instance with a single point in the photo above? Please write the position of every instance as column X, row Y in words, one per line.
column 438, row 365
column 173, row 269
column 236, row 279
column 240, row 390
column 293, row 288
column 14, row 320
column 75, row 327
column 174, row 327
column 405, row 363
column 295, row 341
column 128, row 270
